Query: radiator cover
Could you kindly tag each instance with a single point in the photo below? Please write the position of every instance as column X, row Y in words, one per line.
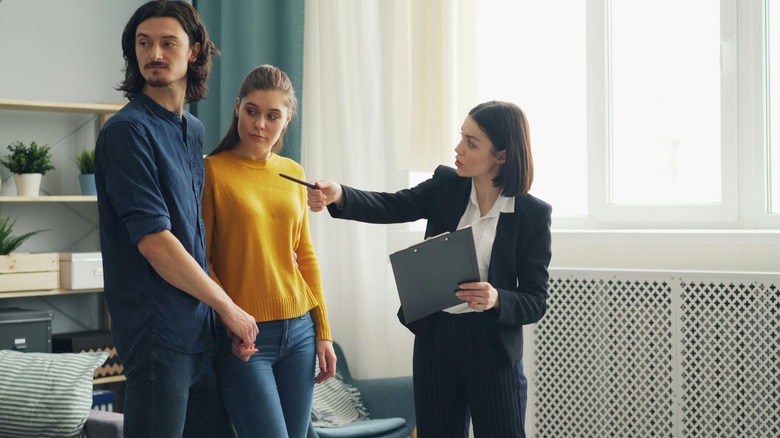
column 668, row 354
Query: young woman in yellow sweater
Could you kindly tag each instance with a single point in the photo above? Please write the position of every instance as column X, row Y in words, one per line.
column 260, row 251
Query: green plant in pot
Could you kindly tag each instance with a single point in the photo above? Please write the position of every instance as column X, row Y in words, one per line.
column 9, row 242
column 85, row 160
column 28, row 164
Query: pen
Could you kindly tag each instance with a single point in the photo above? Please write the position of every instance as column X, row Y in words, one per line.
column 309, row 185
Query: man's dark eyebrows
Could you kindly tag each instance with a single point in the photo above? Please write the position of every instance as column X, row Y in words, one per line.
column 166, row 37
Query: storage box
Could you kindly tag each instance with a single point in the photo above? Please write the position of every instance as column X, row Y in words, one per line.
column 25, row 330
column 81, row 270
column 90, row 341
column 103, row 400
column 29, row 271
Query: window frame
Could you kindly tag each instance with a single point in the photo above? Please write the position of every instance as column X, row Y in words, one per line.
column 745, row 137
column 604, row 214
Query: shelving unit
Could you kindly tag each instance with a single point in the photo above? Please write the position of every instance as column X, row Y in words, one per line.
column 104, row 110
column 57, row 198
column 111, row 379
column 46, row 199
column 40, row 293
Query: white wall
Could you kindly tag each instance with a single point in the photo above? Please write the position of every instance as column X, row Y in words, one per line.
column 62, row 51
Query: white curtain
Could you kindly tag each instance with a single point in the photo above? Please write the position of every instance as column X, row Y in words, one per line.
column 433, row 78
column 374, row 103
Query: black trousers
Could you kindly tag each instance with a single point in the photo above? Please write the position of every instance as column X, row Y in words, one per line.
column 461, row 373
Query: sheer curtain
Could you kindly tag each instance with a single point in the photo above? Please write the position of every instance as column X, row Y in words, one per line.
column 385, row 93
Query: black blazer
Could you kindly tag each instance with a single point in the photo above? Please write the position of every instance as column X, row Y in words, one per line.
column 521, row 251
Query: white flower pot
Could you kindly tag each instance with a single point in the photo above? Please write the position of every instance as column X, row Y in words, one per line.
column 28, row 184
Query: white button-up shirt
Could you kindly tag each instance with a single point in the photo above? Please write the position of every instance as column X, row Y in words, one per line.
column 484, row 230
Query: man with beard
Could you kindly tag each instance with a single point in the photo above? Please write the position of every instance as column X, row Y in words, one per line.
column 149, row 174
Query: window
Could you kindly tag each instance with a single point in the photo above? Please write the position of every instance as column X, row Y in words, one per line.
column 643, row 115
column 773, row 54
column 533, row 55
column 665, row 109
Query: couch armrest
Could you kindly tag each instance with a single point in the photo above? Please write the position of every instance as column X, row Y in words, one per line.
column 103, row 424
column 388, row 397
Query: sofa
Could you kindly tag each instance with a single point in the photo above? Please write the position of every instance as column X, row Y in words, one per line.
column 385, row 399
column 104, row 424
column 388, row 403
column 50, row 395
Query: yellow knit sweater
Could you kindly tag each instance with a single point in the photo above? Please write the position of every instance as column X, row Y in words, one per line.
column 258, row 243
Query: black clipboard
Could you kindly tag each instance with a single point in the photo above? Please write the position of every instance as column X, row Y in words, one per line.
column 427, row 275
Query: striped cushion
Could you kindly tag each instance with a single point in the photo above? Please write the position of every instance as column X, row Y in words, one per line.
column 336, row 403
column 46, row 394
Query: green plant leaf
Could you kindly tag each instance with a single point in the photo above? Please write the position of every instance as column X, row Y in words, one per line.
column 8, row 242
column 28, row 159
column 85, row 160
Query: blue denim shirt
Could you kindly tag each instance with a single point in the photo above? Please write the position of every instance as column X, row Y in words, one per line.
column 149, row 177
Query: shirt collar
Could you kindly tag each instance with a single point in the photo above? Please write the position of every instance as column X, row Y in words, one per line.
column 158, row 109
column 503, row 204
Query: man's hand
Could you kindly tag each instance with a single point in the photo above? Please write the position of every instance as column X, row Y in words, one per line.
column 241, row 350
column 243, row 328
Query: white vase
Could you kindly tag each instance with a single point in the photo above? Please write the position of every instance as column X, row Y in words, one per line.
column 28, row 184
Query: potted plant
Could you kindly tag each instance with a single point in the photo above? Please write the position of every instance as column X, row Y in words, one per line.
column 24, row 271
column 28, row 164
column 8, row 242
column 85, row 160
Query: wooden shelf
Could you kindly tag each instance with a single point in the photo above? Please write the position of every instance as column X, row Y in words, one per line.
column 60, row 107
column 38, row 293
column 53, row 198
column 112, row 379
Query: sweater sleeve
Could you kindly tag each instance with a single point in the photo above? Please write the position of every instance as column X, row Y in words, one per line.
column 209, row 217
column 310, row 270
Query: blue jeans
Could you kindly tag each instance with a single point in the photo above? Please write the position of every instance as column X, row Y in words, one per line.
column 271, row 395
column 171, row 394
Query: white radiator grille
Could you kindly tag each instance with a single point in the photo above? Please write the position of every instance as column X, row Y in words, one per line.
column 626, row 354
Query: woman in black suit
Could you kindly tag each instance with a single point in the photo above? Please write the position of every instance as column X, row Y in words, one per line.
column 468, row 358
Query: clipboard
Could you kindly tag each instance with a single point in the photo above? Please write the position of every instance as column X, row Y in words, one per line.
column 427, row 275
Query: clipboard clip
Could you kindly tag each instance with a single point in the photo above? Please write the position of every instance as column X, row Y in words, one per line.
column 446, row 239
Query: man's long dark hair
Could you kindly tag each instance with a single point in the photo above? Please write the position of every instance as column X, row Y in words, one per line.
column 198, row 70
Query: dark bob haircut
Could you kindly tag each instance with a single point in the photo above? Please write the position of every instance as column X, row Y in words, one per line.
column 507, row 128
column 198, row 70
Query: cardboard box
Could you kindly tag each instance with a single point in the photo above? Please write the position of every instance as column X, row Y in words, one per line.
column 25, row 330
column 81, row 270
column 29, row 271
column 100, row 341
